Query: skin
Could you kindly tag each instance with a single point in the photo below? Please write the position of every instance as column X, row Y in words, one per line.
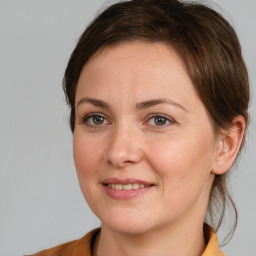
column 179, row 155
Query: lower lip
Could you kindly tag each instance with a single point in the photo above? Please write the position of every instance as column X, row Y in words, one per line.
column 125, row 194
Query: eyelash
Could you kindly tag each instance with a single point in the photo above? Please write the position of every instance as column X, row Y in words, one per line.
column 166, row 118
column 93, row 115
column 150, row 117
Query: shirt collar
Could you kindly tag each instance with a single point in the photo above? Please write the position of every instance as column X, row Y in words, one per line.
column 212, row 248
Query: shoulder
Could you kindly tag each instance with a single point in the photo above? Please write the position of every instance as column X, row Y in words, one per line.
column 62, row 249
column 73, row 248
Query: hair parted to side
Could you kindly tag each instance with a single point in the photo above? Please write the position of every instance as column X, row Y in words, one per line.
column 208, row 47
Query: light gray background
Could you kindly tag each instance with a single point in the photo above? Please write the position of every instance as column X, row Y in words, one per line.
column 40, row 199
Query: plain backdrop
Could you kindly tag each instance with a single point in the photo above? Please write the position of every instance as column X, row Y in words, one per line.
column 40, row 200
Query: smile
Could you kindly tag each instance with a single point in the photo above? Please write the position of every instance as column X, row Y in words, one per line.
column 126, row 186
column 125, row 189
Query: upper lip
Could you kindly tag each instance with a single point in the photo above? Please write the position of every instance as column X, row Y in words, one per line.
column 125, row 181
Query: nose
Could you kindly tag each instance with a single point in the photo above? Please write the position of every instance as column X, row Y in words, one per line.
column 124, row 148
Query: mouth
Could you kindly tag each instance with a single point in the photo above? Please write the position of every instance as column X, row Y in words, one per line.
column 123, row 189
column 129, row 186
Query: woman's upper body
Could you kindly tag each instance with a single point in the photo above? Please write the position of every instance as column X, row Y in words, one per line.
column 84, row 246
column 145, row 151
column 159, row 93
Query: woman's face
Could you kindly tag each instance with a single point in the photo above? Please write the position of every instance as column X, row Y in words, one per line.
column 144, row 146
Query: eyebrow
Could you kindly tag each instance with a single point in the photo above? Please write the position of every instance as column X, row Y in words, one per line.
column 97, row 103
column 139, row 106
column 154, row 102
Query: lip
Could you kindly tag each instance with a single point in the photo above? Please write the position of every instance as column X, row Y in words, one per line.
column 125, row 181
column 125, row 194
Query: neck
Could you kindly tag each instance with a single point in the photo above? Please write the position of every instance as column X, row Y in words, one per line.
column 178, row 240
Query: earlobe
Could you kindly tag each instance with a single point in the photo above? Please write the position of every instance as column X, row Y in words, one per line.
column 228, row 146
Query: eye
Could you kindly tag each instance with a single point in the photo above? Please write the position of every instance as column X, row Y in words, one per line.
column 160, row 120
column 95, row 120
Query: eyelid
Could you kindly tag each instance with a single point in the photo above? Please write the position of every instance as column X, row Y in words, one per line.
column 94, row 114
column 154, row 115
column 84, row 119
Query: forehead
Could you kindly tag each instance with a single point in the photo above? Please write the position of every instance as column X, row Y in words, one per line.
column 135, row 64
column 140, row 52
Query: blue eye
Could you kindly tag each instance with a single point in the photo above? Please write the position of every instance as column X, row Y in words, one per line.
column 160, row 120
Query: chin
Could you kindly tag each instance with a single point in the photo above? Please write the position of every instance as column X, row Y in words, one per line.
column 128, row 225
column 127, row 229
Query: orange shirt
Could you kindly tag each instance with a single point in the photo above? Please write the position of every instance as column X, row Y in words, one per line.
column 82, row 247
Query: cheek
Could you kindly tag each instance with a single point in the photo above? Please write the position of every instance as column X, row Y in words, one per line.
column 86, row 157
column 182, row 163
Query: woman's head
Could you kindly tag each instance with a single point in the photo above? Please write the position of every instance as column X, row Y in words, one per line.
column 204, row 42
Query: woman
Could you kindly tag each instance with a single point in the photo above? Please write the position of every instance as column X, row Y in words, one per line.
column 159, row 93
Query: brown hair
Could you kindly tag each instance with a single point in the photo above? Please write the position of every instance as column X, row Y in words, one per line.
column 206, row 43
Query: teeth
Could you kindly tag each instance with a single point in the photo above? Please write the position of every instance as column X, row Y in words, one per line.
column 126, row 186
column 135, row 186
column 118, row 186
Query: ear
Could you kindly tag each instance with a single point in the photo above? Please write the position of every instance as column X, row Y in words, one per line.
column 228, row 146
